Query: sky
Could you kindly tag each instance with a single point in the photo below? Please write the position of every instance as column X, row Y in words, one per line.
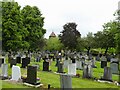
column 89, row 15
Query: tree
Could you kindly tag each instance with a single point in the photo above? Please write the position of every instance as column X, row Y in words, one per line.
column 33, row 22
column 69, row 36
column 88, row 42
column 13, row 31
column 53, row 43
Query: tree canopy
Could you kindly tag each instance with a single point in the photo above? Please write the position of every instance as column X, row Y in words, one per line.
column 69, row 36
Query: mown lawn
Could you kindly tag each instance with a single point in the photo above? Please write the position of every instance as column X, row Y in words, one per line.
column 54, row 79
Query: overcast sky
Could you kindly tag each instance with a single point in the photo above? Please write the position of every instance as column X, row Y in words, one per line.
column 89, row 15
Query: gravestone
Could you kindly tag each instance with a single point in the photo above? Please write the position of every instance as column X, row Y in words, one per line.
column 18, row 59
column 66, row 63
column 4, row 70
column 13, row 62
column 45, row 66
column 87, row 71
column 32, row 75
column 103, row 61
column 72, row 69
column 79, row 64
column 107, row 74
column 93, row 64
column 25, row 62
column 65, row 82
column 60, row 67
column 114, row 68
column 16, row 73
column 1, row 61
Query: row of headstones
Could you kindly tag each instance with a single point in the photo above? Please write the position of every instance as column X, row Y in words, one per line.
column 66, row 81
column 14, row 61
column 16, row 74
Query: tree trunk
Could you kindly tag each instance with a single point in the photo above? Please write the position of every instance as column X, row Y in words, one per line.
column 88, row 50
column 106, row 50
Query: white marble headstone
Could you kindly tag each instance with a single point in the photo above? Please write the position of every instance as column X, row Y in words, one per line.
column 72, row 69
column 16, row 73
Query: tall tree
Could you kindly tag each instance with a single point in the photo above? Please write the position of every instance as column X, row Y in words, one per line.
column 13, row 31
column 33, row 22
column 69, row 36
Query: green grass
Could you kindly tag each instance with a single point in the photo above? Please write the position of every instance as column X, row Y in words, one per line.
column 54, row 79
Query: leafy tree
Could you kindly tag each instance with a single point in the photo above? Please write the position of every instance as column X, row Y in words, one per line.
column 53, row 43
column 109, row 40
column 13, row 31
column 89, row 42
column 33, row 22
column 69, row 36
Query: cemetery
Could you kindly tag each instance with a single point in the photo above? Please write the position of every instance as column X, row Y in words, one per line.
column 41, row 74
column 29, row 60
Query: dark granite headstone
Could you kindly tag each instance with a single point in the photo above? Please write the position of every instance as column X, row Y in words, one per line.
column 1, row 60
column 13, row 62
column 25, row 62
column 18, row 59
column 103, row 64
column 45, row 66
column 60, row 68
column 32, row 75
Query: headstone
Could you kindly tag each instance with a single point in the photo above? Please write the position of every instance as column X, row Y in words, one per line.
column 87, row 71
column 66, row 63
column 79, row 64
column 103, row 62
column 45, row 66
column 4, row 70
column 107, row 73
column 72, row 69
column 60, row 67
column 93, row 63
column 32, row 75
column 25, row 62
column 18, row 59
column 13, row 62
column 16, row 73
column 114, row 68
column 1, row 61
column 65, row 82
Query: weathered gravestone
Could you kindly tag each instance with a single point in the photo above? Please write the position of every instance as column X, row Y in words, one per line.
column 60, row 67
column 87, row 71
column 65, row 82
column 114, row 68
column 72, row 68
column 45, row 66
column 103, row 62
column 16, row 73
column 13, row 62
column 32, row 75
column 4, row 73
column 66, row 63
column 107, row 74
column 93, row 63
column 79, row 64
